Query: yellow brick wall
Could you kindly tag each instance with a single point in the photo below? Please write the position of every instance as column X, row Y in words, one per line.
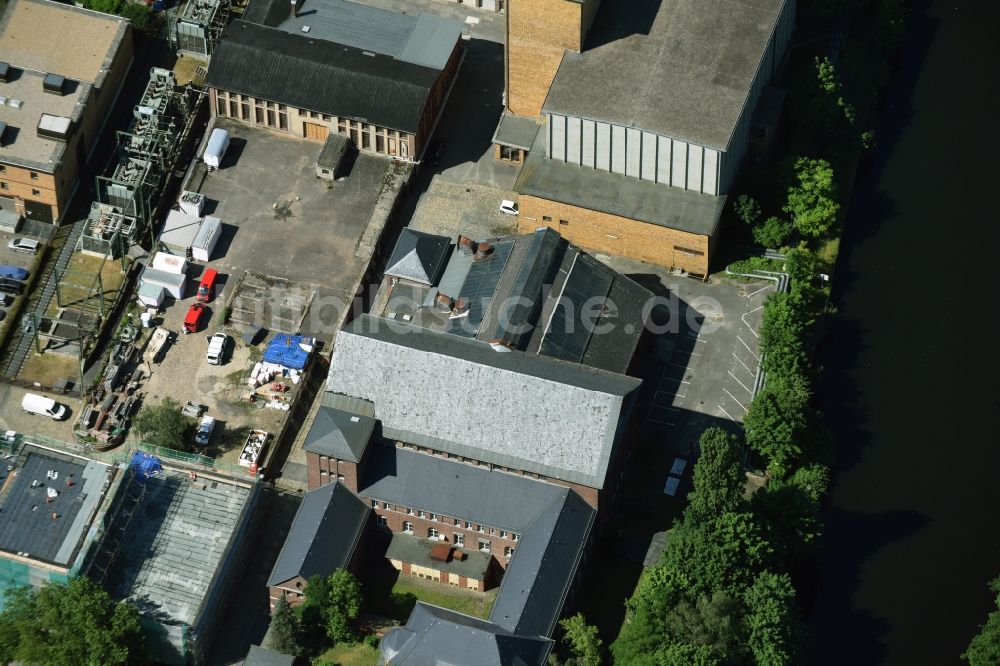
column 603, row 232
column 19, row 184
column 538, row 33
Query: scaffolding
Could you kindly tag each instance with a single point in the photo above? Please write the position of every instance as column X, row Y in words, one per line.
column 197, row 28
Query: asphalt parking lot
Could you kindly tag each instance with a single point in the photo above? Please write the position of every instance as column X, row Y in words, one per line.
column 283, row 223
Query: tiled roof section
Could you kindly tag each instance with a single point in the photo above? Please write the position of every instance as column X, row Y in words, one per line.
column 339, row 434
column 456, row 395
column 418, row 256
column 330, row 78
column 323, row 535
column 434, row 636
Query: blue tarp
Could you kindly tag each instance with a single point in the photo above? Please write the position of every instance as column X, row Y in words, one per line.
column 14, row 272
column 284, row 350
column 145, row 465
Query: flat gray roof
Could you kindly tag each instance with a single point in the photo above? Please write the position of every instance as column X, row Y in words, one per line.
column 655, row 203
column 421, row 39
column 686, row 76
column 174, row 546
column 21, row 143
column 516, row 131
column 408, row 548
column 26, row 523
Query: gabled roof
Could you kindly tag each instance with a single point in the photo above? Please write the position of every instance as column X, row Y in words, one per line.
column 435, row 636
column 418, row 256
column 323, row 535
column 456, row 395
column 335, row 79
column 339, row 434
column 258, row 656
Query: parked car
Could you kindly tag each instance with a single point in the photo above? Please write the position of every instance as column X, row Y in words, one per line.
column 24, row 245
column 207, row 285
column 195, row 317
column 11, row 286
column 39, row 404
column 193, row 409
column 508, row 207
column 5, row 299
column 13, row 272
column 219, row 346
column 203, row 434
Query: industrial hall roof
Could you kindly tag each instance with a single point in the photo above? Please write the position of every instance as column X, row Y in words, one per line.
column 317, row 75
column 323, row 535
column 679, row 68
column 465, row 397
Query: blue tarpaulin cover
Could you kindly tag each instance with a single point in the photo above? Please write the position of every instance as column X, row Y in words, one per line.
column 145, row 465
column 284, row 350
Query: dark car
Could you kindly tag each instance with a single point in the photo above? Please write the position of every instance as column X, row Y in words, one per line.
column 11, row 286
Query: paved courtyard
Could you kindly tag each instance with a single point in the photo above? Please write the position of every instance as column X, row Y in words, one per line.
column 282, row 222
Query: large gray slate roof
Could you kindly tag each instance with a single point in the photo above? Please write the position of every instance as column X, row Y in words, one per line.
column 339, row 434
column 258, row 656
column 457, row 395
column 418, row 256
column 553, row 522
column 335, row 79
column 687, row 75
column 323, row 535
column 435, row 636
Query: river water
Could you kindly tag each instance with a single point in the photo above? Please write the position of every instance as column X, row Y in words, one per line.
column 912, row 376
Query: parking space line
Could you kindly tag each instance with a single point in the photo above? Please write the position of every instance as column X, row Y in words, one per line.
column 749, row 296
column 725, row 412
column 748, row 347
column 678, row 365
column 734, row 399
column 738, row 380
column 740, row 361
column 671, row 379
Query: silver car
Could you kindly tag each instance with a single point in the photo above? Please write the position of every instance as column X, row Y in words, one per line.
column 24, row 245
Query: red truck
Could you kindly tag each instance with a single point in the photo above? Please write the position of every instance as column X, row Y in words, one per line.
column 195, row 317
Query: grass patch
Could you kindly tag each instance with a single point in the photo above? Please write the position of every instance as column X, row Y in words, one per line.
column 79, row 279
column 184, row 70
column 407, row 591
column 47, row 368
column 358, row 654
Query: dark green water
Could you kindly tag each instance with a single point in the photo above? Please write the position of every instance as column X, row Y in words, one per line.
column 912, row 381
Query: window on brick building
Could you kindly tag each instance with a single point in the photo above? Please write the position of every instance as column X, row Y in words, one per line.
column 546, row 218
column 515, row 537
column 35, row 192
column 385, row 505
column 565, row 223
column 484, row 545
column 459, row 540
column 480, row 528
column 434, row 517
column 468, row 525
column 4, row 186
column 457, row 522
column 408, row 527
column 423, row 514
column 374, row 504
column 409, row 511
column 259, row 115
column 503, row 535
column 381, row 521
column 433, row 534
column 34, row 176
column 508, row 551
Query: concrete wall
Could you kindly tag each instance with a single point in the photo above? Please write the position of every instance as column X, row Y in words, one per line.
column 603, row 232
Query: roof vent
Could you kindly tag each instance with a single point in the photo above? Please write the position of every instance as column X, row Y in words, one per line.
column 15, row 103
column 4, row 71
column 53, row 83
column 460, row 307
column 3, row 100
column 465, row 245
column 368, row 53
column 483, row 250
column 54, row 127
column 306, row 28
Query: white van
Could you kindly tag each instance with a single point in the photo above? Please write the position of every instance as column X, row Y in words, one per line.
column 39, row 404
column 218, row 142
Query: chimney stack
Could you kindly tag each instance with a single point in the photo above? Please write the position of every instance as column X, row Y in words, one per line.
column 444, row 302
column 483, row 250
column 465, row 245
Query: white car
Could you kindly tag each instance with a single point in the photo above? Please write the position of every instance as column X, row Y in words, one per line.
column 24, row 245
column 203, row 434
column 508, row 207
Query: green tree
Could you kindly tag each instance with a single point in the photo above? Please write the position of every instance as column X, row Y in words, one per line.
column 776, row 424
column 70, row 624
column 812, row 199
column 685, row 654
column 772, row 619
column 783, row 333
column 830, row 84
column 722, row 555
column 106, row 6
column 747, row 209
column 335, row 603
column 984, row 649
column 582, row 641
column 284, row 627
column 715, row 621
column 718, row 477
column 789, row 510
column 137, row 14
column 773, row 233
column 164, row 425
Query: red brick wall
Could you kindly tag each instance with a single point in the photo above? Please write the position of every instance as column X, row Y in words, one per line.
column 321, row 470
column 444, row 525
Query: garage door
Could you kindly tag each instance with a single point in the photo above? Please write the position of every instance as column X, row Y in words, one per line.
column 314, row 131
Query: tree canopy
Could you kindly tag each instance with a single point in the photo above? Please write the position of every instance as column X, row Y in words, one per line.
column 718, row 477
column 582, row 641
column 284, row 627
column 164, row 425
column 812, row 199
column 334, row 603
column 984, row 649
column 70, row 624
